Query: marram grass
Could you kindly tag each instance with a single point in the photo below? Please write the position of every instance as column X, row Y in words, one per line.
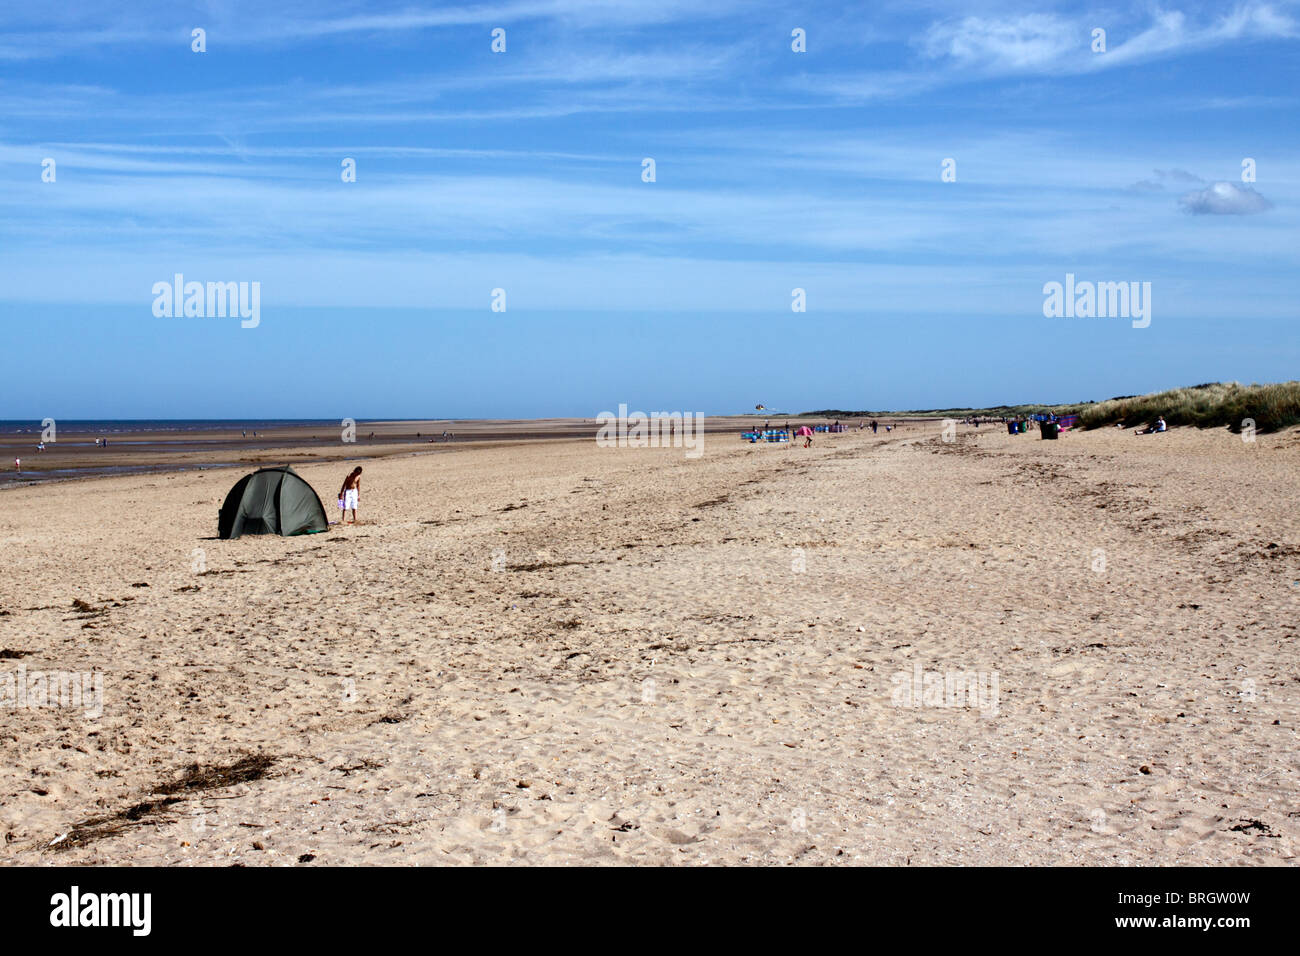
column 1214, row 405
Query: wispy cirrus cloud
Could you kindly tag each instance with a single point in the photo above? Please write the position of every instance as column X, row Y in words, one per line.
column 1057, row 44
column 561, row 80
column 31, row 34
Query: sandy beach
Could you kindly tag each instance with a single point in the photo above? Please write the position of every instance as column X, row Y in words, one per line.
column 551, row 652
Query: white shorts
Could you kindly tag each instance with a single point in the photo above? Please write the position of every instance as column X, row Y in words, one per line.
column 350, row 499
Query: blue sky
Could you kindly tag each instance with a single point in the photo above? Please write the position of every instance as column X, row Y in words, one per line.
column 522, row 171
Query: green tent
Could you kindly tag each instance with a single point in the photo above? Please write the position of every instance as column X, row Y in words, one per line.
column 272, row 501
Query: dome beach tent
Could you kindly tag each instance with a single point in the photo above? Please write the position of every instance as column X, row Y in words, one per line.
column 272, row 501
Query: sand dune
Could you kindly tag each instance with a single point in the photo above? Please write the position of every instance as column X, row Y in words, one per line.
column 553, row 652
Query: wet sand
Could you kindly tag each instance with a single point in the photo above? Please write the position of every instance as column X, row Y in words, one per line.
column 76, row 455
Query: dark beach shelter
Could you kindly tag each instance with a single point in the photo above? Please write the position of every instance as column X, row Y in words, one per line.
column 272, row 501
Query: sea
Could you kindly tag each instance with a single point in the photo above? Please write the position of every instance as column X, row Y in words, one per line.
column 180, row 425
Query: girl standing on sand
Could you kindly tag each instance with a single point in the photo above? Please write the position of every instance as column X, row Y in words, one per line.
column 349, row 495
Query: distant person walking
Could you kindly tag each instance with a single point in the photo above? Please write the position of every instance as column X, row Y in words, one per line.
column 18, row 465
column 350, row 495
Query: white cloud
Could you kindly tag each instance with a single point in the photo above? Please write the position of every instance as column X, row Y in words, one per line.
column 1224, row 199
column 1050, row 44
column 1031, row 42
column 27, row 33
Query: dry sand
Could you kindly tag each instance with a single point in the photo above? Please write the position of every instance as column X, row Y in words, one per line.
column 558, row 653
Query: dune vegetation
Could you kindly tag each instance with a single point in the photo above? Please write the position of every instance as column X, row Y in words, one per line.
column 1212, row 405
